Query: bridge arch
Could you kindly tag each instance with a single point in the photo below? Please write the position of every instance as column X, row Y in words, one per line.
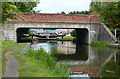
column 83, row 35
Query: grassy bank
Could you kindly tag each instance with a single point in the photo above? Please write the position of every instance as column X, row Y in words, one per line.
column 66, row 38
column 28, row 39
column 6, row 46
column 99, row 44
column 39, row 64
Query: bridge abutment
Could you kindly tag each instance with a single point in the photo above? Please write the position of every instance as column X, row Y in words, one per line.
column 9, row 32
column 9, row 35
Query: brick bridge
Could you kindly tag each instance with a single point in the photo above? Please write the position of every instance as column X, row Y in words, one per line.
column 88, row 27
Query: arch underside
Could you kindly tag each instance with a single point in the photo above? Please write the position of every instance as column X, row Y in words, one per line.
column 82, row 34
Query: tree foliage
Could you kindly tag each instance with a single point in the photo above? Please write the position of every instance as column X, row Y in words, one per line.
column 109, row 11
column 26, row 7
column 73, row 33
column 79, row 12
column 61, row 12
column 76, row 12
column 9, row 9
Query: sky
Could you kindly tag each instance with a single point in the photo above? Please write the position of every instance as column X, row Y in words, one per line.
column 57, row 6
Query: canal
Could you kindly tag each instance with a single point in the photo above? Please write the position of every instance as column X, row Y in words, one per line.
column 83, row 60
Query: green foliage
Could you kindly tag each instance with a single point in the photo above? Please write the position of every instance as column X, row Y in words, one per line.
column 49, row 61
column 30, row 67
column 79, row 12
column 113, row 30
column 109, row 12
column 76, row 12
column 26, row 7
column 61, row 12
column 10, row 9
column 29, row 38
column 66, row 38
column 73, row 33
column 25, row 31
column 6, row 46
column 99, row 44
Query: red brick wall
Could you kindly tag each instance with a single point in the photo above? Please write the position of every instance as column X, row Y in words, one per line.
column 58, row 18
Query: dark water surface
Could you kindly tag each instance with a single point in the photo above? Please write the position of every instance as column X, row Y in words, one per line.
column 83, row 60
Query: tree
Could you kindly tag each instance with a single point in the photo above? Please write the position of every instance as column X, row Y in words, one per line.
column 109, row 12
column 61, row 12
column 26, row 7
column 75, row 12
column 73, row 33
column 79, row 12
column 9, row 9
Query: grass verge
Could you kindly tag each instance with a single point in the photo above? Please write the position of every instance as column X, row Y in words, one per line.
column 66, row 38
column 28, row 39
column 6, row 46
column 38, row 64
column 99, row 44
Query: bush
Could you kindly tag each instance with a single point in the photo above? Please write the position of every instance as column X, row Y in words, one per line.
column 73, row 33
column 113, row 30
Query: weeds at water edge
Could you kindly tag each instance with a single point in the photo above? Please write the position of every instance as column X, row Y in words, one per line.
column 49, row 61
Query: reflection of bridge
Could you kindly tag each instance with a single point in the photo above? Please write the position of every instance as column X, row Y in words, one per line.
column 95, row 60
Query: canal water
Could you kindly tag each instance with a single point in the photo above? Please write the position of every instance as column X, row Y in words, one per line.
column 83, row 60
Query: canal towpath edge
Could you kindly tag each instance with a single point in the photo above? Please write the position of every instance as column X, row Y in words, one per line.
column 12, row 65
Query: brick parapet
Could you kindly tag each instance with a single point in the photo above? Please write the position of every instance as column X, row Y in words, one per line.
column 32, row 17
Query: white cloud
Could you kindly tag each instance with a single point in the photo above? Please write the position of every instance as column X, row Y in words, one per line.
column 54, row 6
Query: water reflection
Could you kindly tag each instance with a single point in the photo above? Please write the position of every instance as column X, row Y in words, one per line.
column 81, row 59
column 71, row 52
column 117, row 57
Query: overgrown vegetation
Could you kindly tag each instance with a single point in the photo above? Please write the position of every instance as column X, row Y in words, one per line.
column 99, row 44
column 38, row 64
column 6, row 46
column 35, row 63
column 113, row 30
column 109, row 12
column 49, row 62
